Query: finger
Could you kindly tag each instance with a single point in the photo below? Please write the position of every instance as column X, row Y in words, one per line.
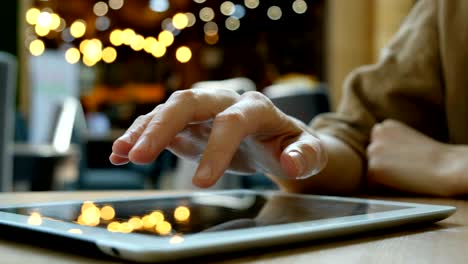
column 118, row 160
column 229, row 128
column 181, row 109
column 124, row 144
column 303, row 158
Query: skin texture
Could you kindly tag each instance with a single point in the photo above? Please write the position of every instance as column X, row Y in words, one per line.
column 404, row 159
column 242, row 133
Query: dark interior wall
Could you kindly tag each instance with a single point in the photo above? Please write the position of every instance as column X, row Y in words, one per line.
column 9, row 17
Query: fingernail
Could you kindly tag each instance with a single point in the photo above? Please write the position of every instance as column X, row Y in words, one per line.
column 298, row 161
column 204, row 173
column 126, row 138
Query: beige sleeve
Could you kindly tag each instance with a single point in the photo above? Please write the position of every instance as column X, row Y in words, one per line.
column 406, row 84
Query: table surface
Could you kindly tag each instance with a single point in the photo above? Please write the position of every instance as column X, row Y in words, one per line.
column 443, row 242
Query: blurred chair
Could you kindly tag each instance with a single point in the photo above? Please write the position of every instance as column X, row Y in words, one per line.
column 71, row 128
column 8, row 75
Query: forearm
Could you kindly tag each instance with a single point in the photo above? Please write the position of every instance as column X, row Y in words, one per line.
column 342, row 174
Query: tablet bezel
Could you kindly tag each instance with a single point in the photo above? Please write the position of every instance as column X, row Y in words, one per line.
column 143, row 248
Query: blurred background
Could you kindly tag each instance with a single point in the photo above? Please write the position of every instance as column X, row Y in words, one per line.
column 75, row 74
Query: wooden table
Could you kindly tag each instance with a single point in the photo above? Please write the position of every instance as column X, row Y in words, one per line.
column 444, row 242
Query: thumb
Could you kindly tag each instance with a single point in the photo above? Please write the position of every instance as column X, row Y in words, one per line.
column 303, row 158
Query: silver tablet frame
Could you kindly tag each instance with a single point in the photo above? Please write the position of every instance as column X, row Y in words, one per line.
column 143, row 248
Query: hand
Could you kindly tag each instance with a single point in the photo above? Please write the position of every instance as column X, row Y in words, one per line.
column 223, row 130
column 402, row 158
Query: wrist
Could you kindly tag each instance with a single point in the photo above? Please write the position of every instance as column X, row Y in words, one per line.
column 454, row 169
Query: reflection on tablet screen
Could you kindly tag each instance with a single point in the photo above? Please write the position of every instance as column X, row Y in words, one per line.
column 194, row 214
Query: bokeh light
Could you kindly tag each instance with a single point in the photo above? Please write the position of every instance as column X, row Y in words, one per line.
column 299, row 6
column 36, row 47
column 78, row 28
column 252, row 4
column 115, row 37
column 166, row 38
column 107, row 212
column 109, row 55
column 207, row 14
column 183, row 54
column 180, row 21
column 227, row 8
column 100, row 8
column 31, row 16
column 72, row 55
column 232, row 23
column 116, row 4
column 274, row 12
column 181, row 214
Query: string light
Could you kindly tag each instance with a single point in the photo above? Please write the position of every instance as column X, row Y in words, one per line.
column 72, row 55
column 183, row 54
column 166, row 38
column 78, row 28
column 31, row 16
column 180, row 21
column 36, row 47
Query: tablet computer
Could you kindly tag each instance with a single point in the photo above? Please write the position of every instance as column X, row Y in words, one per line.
column 170, row 227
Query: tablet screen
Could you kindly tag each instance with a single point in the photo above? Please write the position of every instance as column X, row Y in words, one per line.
column 199, row 213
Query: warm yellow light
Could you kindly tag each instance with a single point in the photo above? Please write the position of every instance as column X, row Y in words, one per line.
column 136, row 223
column 44, row 19
column 113, row 227
column 31, row 16
column 107, row 212
column 75, row 231
column 163, row 228
column 125, row 228
column 183, row 54
column 211, row 39
column 78, row 28
column 92, row 49
column 181, row 214
column 91, row 216
column 158, row 50
column 127, row 36
column 137, row 42
column 180, row 21
column 116, row 37
column 36, row 47
column 166, row 38
column 55, row 24
column 88, row 62
column 72, row 55
column 35, row 219
column 41, row 31
column 149, row 42
column 109, row 55
column 86, row 205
